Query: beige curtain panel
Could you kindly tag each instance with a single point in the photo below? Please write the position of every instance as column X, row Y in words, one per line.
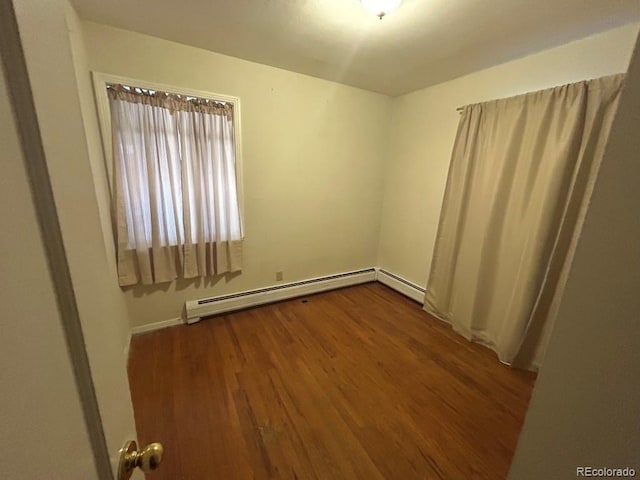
column 520, row 178
column 176, row 202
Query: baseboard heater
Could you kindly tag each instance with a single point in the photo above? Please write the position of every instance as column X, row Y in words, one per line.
column 196, row 309
column 401, row 285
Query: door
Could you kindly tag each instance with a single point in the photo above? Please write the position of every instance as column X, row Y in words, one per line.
column 65, row 401
column 42, row 417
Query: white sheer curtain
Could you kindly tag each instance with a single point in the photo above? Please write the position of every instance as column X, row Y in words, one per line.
column 176, row 200
column 520, row 179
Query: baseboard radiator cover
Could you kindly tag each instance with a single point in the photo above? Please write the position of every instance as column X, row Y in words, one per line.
column 401, row 285
column 197, row 309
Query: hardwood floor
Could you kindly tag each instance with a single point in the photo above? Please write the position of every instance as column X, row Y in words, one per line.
column 357, row 383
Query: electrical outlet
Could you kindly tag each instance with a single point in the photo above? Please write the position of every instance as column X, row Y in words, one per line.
column 279, row 276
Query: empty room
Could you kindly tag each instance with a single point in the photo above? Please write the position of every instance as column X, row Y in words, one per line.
column 320, row 239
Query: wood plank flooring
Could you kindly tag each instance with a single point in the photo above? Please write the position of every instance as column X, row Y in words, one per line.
column 358, row 383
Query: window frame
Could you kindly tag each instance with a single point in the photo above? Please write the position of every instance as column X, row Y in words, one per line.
column 100, row 81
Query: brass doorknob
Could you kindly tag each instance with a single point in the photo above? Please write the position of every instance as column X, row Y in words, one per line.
column 147, row 460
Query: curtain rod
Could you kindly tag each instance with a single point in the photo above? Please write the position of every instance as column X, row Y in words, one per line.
column 460, row 109
column 152, row 92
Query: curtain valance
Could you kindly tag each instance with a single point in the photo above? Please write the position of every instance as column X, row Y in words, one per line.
column 171, row 101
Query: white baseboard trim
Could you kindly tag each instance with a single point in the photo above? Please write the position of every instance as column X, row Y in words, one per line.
column 127, row 349
column 196, row 309
column 149, row 327
column 401, row 285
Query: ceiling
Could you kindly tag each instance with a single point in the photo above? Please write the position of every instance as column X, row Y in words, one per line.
column 422, row 43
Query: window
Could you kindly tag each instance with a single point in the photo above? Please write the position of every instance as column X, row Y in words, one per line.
column 176, row 196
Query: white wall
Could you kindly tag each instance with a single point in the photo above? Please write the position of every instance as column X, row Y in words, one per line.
column 102, row 308
column 318, row 154
column 43, row 430
column 313, row 164
column 92, row 134
column 585, row 409
column 424, row 125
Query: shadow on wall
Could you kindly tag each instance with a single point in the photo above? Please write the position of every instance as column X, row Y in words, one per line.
column 181, row 284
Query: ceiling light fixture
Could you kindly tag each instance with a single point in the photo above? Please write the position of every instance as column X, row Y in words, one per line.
column 380, row 7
